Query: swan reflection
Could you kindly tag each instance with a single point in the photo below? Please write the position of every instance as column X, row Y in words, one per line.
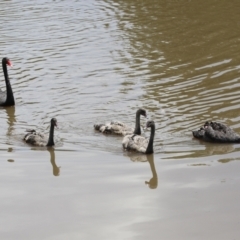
column 11, row 119
column 215, row 149
column 219, row 149
column 10, row 150
column 153, row 182
column 56, row 169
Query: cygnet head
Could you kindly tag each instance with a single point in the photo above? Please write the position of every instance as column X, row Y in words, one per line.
column 142, row 112
column 54, row 122
column 150, row 123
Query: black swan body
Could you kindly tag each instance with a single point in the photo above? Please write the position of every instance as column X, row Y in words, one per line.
column 6, row 97
column 138, row 143
column 116, row 127
column 216, row 132
column 39, row 139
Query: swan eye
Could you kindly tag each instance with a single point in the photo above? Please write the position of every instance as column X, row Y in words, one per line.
column 144, row 113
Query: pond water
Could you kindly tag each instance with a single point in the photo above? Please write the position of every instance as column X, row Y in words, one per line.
column 87, row 62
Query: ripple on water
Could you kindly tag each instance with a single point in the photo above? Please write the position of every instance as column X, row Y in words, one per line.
column 87, row 62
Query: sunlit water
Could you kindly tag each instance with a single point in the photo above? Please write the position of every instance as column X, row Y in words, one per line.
column 85, row 62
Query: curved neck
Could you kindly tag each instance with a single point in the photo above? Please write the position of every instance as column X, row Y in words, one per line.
column 137, row 129
column 150, row 143
column 51, row 136
column 10, row 98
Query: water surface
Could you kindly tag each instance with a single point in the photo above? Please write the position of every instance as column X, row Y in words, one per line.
column 91, row 61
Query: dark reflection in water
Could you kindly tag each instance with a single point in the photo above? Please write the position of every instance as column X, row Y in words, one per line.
column 55, row 168
column 10, row 160
column 153, row 182
column 219, row 149
column 227, row 160
column 10, row 150
column 214, row 149
column 135, row 157
column 11, row 119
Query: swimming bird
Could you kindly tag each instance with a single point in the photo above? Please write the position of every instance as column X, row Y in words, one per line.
column 39, row 139
column 116, row 127
column 216, row 132
column 6, row 97
column 139, row 143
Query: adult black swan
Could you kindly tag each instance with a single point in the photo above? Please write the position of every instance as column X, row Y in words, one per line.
column 39, row 139
column 116, row 127
column 216, row 132
column 6, row 97
column 138, row 143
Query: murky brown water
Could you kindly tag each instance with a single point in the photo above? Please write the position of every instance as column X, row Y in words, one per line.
column 90, row 61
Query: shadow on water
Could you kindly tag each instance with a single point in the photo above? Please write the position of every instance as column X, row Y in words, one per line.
column 55, row 168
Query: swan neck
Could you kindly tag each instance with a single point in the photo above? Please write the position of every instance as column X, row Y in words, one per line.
column 51, row 136
column 151, row 139
column 137, row 129
column 10, row 98
column 5, row 71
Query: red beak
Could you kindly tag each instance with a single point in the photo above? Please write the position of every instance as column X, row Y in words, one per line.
column 9, row 63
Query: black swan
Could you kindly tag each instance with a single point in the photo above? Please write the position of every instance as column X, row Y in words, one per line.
column 6, row 97
column 120, row 128
column 38, row 139
column 216, row 132
column 138, row 143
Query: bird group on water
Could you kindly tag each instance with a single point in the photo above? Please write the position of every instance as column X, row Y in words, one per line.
column 132, row 139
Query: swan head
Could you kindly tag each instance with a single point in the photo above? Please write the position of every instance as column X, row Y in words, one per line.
column 150, row 123
column 6, row 61
column 142, row 112
column 54, row 122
